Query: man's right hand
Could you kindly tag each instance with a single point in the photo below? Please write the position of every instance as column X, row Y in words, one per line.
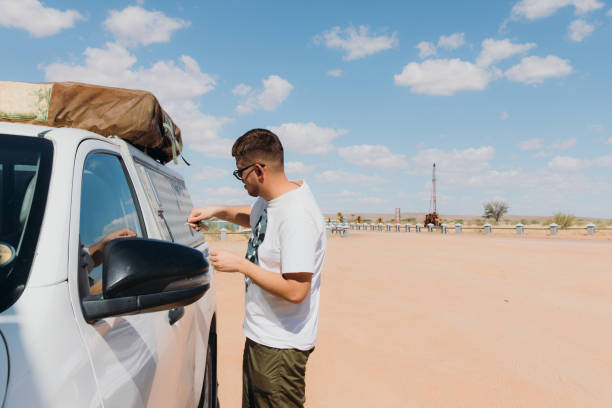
column 201, row 213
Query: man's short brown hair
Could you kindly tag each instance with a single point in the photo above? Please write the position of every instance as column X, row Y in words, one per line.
column 259, row 144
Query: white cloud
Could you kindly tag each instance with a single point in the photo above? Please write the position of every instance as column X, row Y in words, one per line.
column 504, row 116
column 334, row 73
column 579, row 30
column 370, row 156
column 372, row 200
column 210, row 173
column 488, row 178
column 497, row 50
column 225, row 191
column 534, row 70
column 530, row 144
column 451, row 42
column 358, row 43
column 35, row 18
column 345, row 177
column 114, row 66
column 567, row 163
column 347, row 194
column 426, row 49
column 298, row 168
column 564, row 144
column 241, row 89
column 536, row 9
column 596, row 127
column 199, row 130
column 443, row 77
column 137, row 26
column 275, row 91
column 306, row 138
column 176, row 86
column 455, row 163
column 603, row 161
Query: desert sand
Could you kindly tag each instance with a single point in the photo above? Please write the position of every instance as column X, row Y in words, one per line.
column 431, row 320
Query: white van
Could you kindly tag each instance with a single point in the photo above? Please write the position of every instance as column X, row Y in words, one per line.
column 106, row 295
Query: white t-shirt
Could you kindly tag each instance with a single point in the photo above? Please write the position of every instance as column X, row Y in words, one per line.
column 295, row 241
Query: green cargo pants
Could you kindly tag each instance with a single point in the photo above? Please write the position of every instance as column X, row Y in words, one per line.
column 273, row 377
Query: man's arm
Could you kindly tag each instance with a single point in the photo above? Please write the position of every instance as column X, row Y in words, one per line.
column 239, row 214
column 293, row 287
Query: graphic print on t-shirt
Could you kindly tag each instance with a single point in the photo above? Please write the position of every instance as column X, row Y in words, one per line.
column 255, row 239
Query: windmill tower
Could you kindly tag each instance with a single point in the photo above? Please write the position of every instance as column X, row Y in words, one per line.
column 432, row 217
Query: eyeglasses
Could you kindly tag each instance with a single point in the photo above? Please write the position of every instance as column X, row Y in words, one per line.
column 238, row 173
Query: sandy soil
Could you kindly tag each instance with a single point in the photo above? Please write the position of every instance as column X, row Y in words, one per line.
column 431, row 320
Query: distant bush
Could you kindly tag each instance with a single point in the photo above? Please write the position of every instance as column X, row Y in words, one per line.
column 524, row 221
column 459, row 221
column 409, row 220
column 563, row 220
column 479, row 221
column 495, row 209
column 602, row 223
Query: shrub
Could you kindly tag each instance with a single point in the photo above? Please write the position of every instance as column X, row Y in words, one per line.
column 479, row 221
column 563, row 220
column 409, row 220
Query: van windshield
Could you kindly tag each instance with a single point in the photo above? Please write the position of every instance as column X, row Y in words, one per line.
column 25, row 170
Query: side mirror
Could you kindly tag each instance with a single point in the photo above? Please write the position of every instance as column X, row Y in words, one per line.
column 144, row 275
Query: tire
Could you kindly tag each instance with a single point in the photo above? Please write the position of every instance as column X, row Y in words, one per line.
column 209, row 398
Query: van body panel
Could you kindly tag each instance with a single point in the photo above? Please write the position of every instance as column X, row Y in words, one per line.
column 58, row 359
column 49, row 365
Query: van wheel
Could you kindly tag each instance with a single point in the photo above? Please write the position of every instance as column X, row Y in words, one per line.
column 209, row 398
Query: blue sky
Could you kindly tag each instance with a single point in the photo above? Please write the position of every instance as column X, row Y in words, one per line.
column 512, row 100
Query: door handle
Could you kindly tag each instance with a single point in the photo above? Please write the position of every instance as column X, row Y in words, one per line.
column 174, row 315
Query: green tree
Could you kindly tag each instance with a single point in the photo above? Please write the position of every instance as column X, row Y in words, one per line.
column 495, row 209
column 340, row 217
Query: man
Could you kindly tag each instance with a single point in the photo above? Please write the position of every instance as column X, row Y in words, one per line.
column 282, row 271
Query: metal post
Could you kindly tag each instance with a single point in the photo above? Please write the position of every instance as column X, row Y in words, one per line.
column 407, row 226
column 430, row 227
column 388, row 227
column 590, row 229
column 553, row 228
column 417, row 228
column 519, row 228
column 380, row 226
column 458, row 228
column 443, row 228
column 397, row 227
column 486, row 229
column 223, row 234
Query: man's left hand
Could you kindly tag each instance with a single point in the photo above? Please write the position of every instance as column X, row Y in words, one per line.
column 224, row 261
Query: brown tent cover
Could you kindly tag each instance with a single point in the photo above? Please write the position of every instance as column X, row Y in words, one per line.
column 133, row 115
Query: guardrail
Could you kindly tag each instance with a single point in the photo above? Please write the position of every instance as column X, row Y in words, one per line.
column 344, row 228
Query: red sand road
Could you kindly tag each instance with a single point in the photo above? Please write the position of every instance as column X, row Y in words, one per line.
column 431, row 320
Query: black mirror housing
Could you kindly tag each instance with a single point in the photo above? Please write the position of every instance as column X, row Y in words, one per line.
column 143, row 275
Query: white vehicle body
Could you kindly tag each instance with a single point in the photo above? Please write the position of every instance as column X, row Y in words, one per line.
column 50, row 355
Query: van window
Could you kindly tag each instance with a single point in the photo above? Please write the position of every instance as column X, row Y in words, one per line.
column 25, row 171
column 109, row 210
column 172, row 203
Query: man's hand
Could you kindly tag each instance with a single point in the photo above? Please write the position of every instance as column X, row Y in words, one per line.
column 224, row 261
column 199, row 214
column 126, row 232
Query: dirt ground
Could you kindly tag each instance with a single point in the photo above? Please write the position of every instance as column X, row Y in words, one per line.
column 432, row 320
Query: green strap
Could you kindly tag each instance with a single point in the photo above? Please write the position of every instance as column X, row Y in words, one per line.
column 170, row 130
